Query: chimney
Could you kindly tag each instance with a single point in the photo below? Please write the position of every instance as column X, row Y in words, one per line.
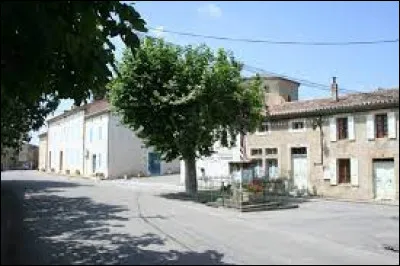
column 334, row 90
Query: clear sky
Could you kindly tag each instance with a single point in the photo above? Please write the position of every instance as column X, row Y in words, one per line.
column 361, row 68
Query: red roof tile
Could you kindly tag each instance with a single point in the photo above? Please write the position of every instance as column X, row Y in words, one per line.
column 350, row 102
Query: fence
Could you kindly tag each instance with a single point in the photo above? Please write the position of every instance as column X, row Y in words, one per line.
column 226, row 192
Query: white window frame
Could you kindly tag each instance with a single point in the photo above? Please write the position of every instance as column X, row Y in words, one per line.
column 264, row 132
column 256, row 155
column 273, row 154
column 291, row 122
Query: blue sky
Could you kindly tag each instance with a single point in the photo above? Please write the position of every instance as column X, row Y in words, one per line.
column 361, row 68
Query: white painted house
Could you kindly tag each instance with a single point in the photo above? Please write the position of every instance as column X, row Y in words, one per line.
column 217, row 165
column 90, row 140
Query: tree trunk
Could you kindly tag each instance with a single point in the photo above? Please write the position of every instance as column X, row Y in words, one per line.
column 190, row 176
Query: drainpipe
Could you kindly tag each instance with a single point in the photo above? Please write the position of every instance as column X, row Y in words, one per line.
column 318, row 123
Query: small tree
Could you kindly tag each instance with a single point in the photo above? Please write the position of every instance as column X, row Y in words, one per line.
column 181, row 100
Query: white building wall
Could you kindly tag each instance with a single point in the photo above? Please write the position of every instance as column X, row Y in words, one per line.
column 127, row 155
column 216, row 165
column 42, row 153
column 96, row 144
column 66, row 135
column 172, row 167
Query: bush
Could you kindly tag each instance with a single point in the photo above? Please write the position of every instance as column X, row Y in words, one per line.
column 52, row 170
column 67, row 172
column 256, row 186
column 77, row 172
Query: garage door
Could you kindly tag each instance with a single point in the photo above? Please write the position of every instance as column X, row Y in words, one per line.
column 384, row 179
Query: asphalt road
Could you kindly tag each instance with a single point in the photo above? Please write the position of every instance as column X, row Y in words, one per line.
column 78, row 221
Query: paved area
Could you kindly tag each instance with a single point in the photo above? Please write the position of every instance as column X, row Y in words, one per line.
column 71, row 220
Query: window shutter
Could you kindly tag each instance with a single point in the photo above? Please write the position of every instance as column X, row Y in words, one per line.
column 370, row 127
column 333, row 172
column 392, row 125
column 327, row 173
column 351, row 128
column 354, row 171
column 333, row 129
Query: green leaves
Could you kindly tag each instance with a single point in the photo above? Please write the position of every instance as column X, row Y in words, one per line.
column 184, row 99
column 58, row 48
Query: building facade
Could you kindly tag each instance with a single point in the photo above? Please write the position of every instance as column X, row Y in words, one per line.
column 89, row 140
column 342, row 147
column 276, row 91
column 23, row 159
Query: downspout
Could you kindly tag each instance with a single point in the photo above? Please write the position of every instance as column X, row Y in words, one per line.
column 318, row 122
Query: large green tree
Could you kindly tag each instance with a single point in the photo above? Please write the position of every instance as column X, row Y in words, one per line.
column 181, row 100
column 54, row 50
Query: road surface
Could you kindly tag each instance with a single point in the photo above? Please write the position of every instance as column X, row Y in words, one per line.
column 80, row 221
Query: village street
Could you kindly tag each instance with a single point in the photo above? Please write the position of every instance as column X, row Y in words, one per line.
column 81, row 221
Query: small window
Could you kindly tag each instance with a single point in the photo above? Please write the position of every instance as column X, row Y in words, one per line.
column 271, row 151
column 264, row 127
column 256, row 152
column 301, row 150
column 298, row 125
column 289, row 99
column 344, row 171
column 342, row 129
column 381, row 126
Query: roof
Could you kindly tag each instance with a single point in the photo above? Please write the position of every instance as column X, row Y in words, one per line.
column 97, row 107
column 93, row 108
column 381, row 98
column 273, row 78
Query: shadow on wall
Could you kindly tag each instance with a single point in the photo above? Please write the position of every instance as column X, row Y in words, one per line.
column 79, row 231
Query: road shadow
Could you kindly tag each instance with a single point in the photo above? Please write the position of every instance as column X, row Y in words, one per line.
column 66, row 230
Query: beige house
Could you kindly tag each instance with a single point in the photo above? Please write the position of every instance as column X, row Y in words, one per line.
column 24, row 158
column 43, row 151
column 344, row 147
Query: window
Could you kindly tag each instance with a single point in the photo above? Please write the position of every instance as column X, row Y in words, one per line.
column 100, row 133
column 258, row 167
column 99, row 160
column 264, row 127
column 289, row 99
column 341, row 126
column 297, row 125
column 299, row 151
column 256, row 151
column 270, row 151
column 344, row 171
column 271, row 168
column 91, row 134
column 381, row 125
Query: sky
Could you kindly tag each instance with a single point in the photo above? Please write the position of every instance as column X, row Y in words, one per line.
column 358, row 68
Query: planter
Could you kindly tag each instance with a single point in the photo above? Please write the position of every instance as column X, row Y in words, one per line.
column 256, row 197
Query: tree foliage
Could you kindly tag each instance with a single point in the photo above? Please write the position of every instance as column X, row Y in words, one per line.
column 55, row 50
column 181, row 100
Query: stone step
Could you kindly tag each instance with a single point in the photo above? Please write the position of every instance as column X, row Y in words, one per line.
column 262, row 207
